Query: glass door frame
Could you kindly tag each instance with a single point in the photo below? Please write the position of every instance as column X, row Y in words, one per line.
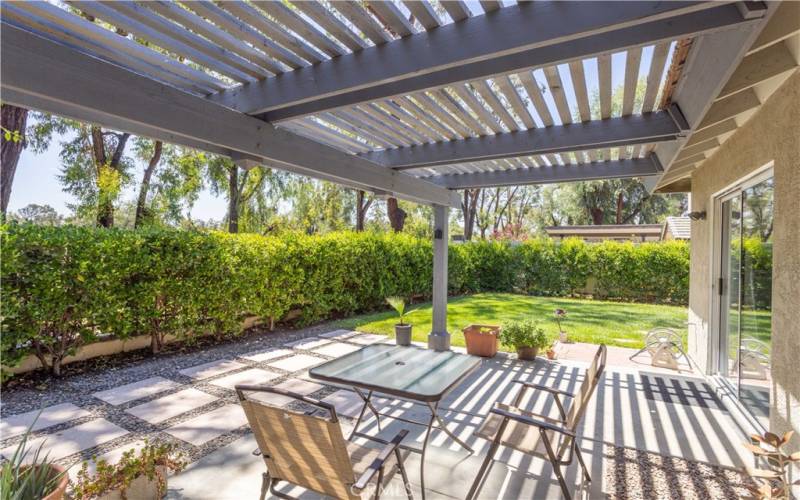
column 715, row 323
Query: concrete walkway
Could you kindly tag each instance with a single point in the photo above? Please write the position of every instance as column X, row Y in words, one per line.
column 651, row 411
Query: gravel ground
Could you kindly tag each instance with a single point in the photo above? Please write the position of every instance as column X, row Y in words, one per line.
column 634, row 474
column 37, row 390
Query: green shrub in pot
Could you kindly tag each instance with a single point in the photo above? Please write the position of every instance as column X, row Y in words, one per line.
column 137, row 475
column 402, row 331
column 526, row 336
column 31, row 477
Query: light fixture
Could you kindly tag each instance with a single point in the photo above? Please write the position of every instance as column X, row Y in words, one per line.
column 701, row 215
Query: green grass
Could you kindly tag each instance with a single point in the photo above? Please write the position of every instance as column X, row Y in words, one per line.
column 593, row 321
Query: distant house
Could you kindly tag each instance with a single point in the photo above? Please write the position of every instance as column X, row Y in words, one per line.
column 618, row 232
column 677, row 228
column 674, row 228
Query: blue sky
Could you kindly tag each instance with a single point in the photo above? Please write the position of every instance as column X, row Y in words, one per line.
column 37, row 175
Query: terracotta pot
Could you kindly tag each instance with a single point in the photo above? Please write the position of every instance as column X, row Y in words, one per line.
column 481, row 340
column 527, row 353
column 141, row 488
column 402, row 334
column 61, row 489
column 551, row 353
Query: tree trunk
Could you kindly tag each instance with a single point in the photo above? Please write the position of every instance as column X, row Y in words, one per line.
column 362, row 206
column 145, row 187
column 14, row 119
column 597, row 216
column 397, row 216
column 469, row 207
column 233, row 199
column 105, row 206
column 620, row 206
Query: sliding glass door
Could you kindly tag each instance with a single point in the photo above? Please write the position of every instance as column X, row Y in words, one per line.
column 746, row 217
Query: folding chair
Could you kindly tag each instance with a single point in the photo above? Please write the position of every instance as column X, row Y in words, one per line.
column 551, row 438
column 309, row 450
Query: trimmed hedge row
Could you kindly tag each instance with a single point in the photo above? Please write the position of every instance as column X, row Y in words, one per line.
column 64, row 286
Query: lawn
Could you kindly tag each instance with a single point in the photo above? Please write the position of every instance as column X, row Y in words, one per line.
column 594, row 321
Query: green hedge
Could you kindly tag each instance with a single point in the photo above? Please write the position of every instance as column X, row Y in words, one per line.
column 65, row 286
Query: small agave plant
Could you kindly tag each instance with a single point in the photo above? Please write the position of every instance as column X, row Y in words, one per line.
column 773, row 481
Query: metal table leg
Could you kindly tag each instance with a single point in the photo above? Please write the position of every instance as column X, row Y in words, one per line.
column 367, row 404
column 446, row 430
column 425, row 448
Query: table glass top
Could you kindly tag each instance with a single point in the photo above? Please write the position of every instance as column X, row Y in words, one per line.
column 410, row 371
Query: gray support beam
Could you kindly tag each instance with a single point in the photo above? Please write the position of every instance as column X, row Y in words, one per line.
column 508, row 40
column 712, row 60
column 615, row 169
column 653, row 127
column 439, row 338
column 86, row 88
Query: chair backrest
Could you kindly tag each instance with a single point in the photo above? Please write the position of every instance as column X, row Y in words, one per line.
column 303, row 449
column 586, row 390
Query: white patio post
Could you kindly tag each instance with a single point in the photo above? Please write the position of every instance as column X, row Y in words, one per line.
column 439, row 338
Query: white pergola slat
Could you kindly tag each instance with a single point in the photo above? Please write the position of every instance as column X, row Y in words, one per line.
column 612, row 169
column 654, row 127
column 482, row 45
column 103, row 93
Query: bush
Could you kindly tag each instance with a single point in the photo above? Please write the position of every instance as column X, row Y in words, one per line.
column 523, row 333
column 60, row 286
column 66, row 286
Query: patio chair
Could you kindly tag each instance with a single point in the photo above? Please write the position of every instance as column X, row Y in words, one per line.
column 553, row 439
column 309, row 450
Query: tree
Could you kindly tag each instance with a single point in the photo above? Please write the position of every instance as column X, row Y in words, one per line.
column 39, row 214
column 252, row 194
column 14, row 122
column 469, row 207
column 144, row 187
column 363, row 202
column 397, row 216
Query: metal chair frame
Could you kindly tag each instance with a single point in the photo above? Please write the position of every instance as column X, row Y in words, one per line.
column 557, row 458
column 392, row 447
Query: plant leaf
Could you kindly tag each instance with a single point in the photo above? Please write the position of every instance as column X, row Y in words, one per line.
column 772, row 439
column 755, row 449
column 764, row 473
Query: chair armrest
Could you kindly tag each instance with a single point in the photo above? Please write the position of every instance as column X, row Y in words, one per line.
column 380, row 460
column 242, row 389
column 543, row 388
column 555, row 392
column 531, row 421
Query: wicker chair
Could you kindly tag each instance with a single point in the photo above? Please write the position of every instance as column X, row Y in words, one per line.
column 551, row 438
column 310, row 451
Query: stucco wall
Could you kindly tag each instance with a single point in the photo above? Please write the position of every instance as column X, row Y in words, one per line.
column 773, row 134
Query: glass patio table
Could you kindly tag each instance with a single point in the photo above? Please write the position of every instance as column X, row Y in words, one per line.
column 415, row 374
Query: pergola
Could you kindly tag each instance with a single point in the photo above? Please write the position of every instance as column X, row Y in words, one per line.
column 414, row 99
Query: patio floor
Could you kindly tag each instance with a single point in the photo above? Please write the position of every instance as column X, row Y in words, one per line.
column 648, row 432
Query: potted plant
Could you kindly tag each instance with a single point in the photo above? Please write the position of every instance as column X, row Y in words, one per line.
column 526, row 336
column 773, row 481
column 481, row 340
column 141, row 476
column 551, row 351
column 402, row 331
column 36, row 478
column 559, row 315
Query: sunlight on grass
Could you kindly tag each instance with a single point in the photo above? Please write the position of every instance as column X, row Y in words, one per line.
column 594, row 321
